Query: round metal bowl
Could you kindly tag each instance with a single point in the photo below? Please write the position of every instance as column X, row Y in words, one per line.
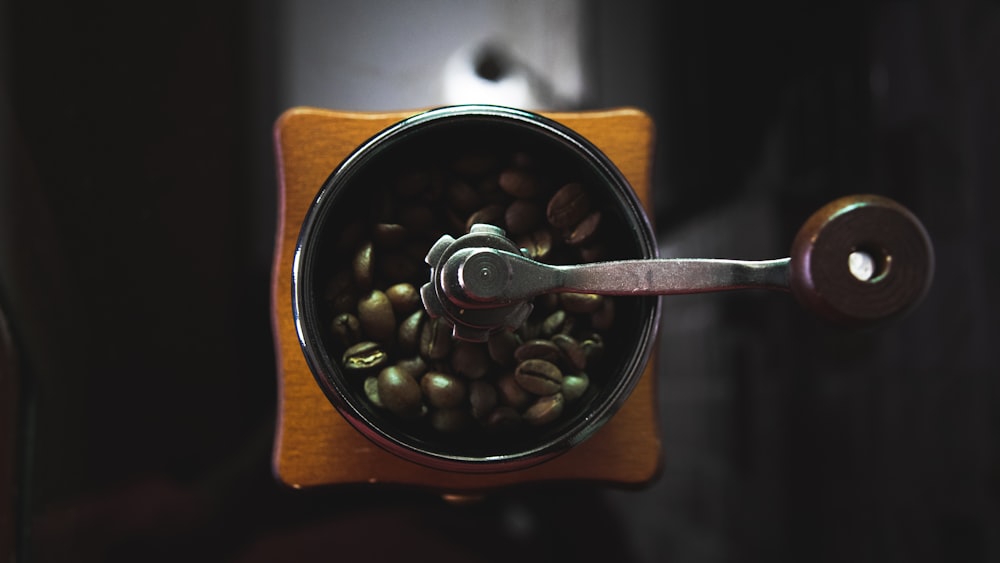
column 354, row 188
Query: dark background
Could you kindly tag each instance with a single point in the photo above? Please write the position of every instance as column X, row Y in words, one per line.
column 136, row 214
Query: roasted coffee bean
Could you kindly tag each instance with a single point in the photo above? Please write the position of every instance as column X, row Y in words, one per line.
column 501, row 346
column 538, row 376
column 363, row 266
column 503, row 418
column 470, row 359
column 482, row 398
column 443, row 390
column 568, row 206
column 538, row 243
column 604, row 318
column 593, row 347
column 574, row 386
column 594, row 253
column 572, row 352
column 364, row 356
column 537, row 349
column 489, row 190
column 346, row 329
column 346, row 301
column 371, row 391
column 547, row 303
column 519, row 183
column 435, row 339
column 512, row 394
column 350, row 237
column 377, row 319
column 389, row 234
column 558, row 322
column 415, row 366
column 400, row 392
column 474, row 164
column 404, row 298
column 449, row 421
column 412, row 182
column 523, row 216
column 583, row 232
column 339, row 283
column 397, row 267
column 545, row 410
column 418, row 219
column 463, row 197
column 408, row 337
column 529, row 330
column 489, row 215
column 581, row 302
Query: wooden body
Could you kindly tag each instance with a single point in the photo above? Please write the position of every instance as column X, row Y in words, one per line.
column 314, row 444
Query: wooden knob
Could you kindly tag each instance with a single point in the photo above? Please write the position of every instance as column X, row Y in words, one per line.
column 861, row 259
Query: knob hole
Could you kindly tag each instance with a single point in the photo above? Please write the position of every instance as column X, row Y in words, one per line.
column 868, row 264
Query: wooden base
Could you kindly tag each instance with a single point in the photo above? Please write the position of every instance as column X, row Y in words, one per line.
column 314, row 444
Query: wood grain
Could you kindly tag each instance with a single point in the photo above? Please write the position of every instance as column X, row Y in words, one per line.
column 314, row 444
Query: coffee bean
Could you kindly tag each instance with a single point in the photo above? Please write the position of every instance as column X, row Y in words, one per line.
column 593, row 348
column 415, row 366
column 417, row 218
column 519, row 183
column 538, row 243
column 346, row 301
column 435, row 339
column 482, row 398
column 412, row 182
column 583, row 232
column 400, row 393
column 581, row 302
column 474, row 164
column 568, row 206
column 371, row 391
column 530, row 330
column 363, row 266
column 463, row 197
column 408, row 337
column 346, row 329
column 537, row 349
column 339, row 283
column 449, row 421
column 523, row 216
column 377, row 319
column 501, row 346
column 604, row 317
column 545, row 410
column 364, row 356
column 389, row 234
column 489, row 215
column 404, row 298
column 350, row 237
column 574, row 386
column 572, row 352
column 396, row 267
column 442, row 390
column 557, row 322
column 538, row 376
column 512, row 394
column 594, row 253
column 470, row 359
column 503, row 418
